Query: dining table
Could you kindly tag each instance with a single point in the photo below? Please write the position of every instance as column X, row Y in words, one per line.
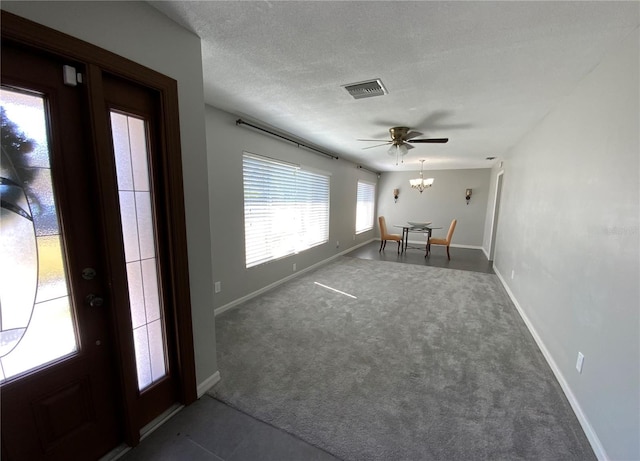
column 409, row 227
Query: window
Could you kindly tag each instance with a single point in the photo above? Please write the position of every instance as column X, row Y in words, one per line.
column 36, row 318
column 136, row 212
column 286, row 209
column 365, row 203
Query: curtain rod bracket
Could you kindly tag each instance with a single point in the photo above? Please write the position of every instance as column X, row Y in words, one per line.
column 370, row 171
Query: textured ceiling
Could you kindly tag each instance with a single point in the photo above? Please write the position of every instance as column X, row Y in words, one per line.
column 480, row 73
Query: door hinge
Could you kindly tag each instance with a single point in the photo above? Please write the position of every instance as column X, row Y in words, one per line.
column 70, row 76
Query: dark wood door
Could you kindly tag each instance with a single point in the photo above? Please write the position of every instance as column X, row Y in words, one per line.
column 137, row 219
column 60, row 393
column 96, row 341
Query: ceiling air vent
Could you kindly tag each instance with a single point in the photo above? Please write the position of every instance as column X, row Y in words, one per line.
column 366, row 89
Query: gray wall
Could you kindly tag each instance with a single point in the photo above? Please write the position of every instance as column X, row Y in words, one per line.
column 139, row 32
column 568, row 224
column 226, row 143
column 441, row 203
column 568, row 228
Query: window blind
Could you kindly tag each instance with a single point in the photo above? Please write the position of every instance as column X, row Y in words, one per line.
column 365, row 203
column 286, row 209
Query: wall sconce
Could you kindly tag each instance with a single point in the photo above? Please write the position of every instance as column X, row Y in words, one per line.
column 396, row 192
column 467, row 195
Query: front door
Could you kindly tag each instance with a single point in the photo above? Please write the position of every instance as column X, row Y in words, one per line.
column 96, row 339
column 60, row 392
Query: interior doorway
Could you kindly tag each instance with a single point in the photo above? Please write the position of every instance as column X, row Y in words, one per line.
column 496, row 213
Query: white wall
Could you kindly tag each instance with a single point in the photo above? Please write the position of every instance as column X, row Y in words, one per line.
column 569, row 228
column 441, row 203
column 226, row 143
column 492, row 203
column 139, row 32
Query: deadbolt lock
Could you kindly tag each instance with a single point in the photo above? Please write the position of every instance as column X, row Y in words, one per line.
column 88, row 273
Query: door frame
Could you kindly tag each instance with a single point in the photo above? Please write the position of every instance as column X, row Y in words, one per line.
column 494, row 216
column 99, row 61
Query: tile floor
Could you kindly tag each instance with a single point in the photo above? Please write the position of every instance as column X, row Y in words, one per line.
column 209, row 430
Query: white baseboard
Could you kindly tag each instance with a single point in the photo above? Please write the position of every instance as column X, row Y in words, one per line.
column 453, row 245
column 486, row 253
column 208, row 383
column 471, row 247
column 262, row 290
column 598, row 449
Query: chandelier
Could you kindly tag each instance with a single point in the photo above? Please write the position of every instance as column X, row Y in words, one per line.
column 421, row 183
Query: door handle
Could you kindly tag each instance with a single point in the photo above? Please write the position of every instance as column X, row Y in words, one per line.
column 93, row 300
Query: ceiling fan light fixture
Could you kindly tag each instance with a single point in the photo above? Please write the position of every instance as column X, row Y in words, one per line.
column 402, row 141
column 399, row 150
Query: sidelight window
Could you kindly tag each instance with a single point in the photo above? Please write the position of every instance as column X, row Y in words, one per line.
column 137, row 217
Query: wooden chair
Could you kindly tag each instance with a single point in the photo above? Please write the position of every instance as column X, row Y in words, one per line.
column 445, row 242
column 384, row 235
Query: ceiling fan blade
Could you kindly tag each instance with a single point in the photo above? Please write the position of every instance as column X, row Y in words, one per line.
column 377, row 145
column 432, row 140
column 412, row 134
column 409, row 146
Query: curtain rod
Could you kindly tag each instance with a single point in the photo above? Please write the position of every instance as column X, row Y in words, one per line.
column 242, row 122
column 370, row 171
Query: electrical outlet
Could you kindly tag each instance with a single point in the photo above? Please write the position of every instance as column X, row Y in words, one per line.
column 513, row 274
column 337, row 243
column 579, row 362
column 217, row 287
column 294, row 267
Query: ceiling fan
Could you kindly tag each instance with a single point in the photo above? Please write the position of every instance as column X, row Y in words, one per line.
column 401, row 140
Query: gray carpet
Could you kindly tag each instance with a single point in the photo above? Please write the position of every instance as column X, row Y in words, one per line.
column 426, row 364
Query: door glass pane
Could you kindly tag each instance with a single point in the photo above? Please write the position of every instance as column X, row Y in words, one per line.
column 136, row 213
column 36, row 320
